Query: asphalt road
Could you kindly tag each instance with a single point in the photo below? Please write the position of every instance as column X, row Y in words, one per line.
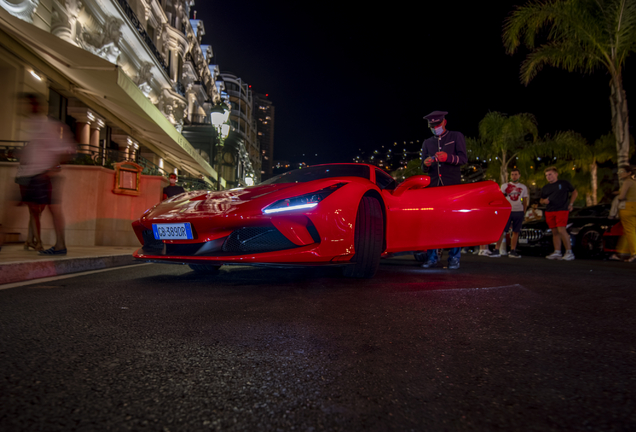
column 500, row 344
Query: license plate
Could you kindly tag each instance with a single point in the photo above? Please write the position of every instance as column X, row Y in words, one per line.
column 173, row 231
column 523, row 240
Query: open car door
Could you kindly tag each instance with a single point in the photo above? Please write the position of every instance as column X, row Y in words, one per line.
column 420, row 218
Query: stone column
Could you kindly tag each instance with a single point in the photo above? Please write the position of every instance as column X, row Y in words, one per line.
column 83, row 135
column 87, row 128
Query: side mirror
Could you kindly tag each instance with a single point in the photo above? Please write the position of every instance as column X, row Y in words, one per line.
column 411, row 183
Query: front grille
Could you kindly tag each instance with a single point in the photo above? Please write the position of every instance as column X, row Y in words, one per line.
column 183, row 249
column 531, row 234
column 150, row 243
column 256, row 239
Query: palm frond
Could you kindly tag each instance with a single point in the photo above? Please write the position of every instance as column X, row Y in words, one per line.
column 578, row 35
column 566, row 56
column 623, row 13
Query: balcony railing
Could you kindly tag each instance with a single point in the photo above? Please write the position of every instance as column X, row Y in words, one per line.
column 98, row 156
column 142, row 32
column 194, row 183
column 10, row 150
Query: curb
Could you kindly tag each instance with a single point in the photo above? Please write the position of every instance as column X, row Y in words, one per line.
column 23, row 271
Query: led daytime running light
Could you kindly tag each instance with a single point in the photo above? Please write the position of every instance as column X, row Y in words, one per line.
column 306, row 201
column 295, row 207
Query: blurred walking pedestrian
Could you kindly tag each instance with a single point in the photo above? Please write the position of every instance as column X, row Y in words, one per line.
column 558, row 196
column 49, row 144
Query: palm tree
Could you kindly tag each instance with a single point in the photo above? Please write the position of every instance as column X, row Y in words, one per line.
column 601, row 151
column 503, row 140
column 581, row 35
column 571, row 152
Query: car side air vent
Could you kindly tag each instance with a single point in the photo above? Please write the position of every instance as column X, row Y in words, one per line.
column 257, row 239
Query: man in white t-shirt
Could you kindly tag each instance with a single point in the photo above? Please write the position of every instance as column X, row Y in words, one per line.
column 517, row 195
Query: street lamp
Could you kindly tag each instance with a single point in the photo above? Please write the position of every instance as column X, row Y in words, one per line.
column 219, row 115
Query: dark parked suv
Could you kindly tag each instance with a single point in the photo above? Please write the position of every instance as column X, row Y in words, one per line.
column 586, row 227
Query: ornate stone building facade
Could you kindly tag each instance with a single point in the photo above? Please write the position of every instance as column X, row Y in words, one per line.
column 158, row 48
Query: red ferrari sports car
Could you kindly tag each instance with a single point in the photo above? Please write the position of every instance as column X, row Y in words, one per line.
column 338, row 214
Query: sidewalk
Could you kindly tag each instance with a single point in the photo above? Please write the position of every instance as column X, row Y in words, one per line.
column 17, row 265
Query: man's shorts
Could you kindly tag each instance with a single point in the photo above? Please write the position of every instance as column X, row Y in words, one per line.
column 515, row 221
column 557, row 218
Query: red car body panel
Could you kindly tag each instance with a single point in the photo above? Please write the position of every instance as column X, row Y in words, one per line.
column 466, row 215
column 416, row 218
column 612, row 240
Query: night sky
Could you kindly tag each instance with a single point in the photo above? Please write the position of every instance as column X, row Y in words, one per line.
column 344, row 77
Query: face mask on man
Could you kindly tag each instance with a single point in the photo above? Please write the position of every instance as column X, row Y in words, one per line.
column 437, row 131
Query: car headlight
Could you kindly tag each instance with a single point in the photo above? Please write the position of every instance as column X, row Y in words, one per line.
column 305, row 201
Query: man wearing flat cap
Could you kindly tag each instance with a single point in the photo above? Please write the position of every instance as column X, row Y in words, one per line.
column 442, row 156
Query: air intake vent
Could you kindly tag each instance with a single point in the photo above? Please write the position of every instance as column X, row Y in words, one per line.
column 151, row 245
column 256, row 239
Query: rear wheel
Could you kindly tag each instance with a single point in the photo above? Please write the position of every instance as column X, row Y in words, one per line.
column 205, row 268
column 369, row 233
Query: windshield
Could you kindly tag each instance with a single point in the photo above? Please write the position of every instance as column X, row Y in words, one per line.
column 321, row 172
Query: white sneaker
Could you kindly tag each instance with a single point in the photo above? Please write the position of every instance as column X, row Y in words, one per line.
column 569, row 256
column 485, row 252
column 556, row 255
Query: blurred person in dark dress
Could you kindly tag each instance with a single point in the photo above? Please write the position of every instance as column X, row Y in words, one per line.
column 49, row 144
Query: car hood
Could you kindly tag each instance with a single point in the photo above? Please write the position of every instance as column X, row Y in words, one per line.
column 242, row 202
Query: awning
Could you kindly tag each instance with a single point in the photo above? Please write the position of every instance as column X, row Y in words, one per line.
column 94, row 79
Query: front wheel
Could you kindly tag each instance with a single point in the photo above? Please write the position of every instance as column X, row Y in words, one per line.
column 369, row 234
column 205, row 268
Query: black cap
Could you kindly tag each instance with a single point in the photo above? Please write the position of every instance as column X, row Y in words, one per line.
column 435, row 118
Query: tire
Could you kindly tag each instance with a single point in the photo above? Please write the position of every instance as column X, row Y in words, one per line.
column 205, row 268
column 590, row 243
column 369, row 235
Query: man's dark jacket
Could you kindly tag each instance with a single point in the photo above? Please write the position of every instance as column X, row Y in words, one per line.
column 445, row 173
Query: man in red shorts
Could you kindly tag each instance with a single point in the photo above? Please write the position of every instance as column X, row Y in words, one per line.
column 558, row 196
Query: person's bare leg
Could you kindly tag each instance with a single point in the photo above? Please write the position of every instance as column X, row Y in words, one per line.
column 35, row 225
column 513, row 241
column 500, row 241
column 30, row 240
column 563, row 233
column 556, row 239
column 58, row 224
